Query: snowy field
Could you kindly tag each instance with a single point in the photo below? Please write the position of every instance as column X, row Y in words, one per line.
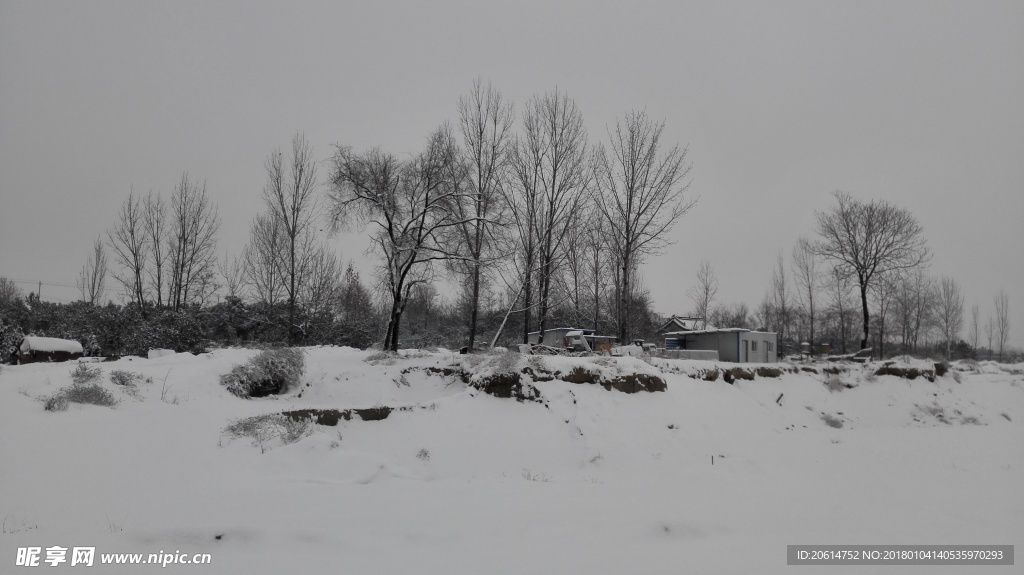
column 706, row 477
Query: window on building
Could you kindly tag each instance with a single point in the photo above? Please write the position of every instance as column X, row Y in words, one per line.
column 753, row 346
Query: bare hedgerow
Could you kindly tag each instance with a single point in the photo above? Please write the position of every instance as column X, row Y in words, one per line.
column 85, row 374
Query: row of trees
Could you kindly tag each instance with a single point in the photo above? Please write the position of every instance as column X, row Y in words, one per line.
column 539, row 217
column 871, row 256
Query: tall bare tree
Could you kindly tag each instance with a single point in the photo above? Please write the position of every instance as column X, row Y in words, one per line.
column 192, row 240
column 639, row 188
column 838, row 289
column 974, row 328
column 155, row 228
column 950, row 311
column 869, row 239
column 92, row 280
column 703, row 293
column 557, row 148
column 807, row 276
column 290, row 198
column 781, row 298
column 129, row 243
column 1002, row 327
column 407, row 205
column 261, row 260
column 485, row 121
column 523, row 201
column 990, row 332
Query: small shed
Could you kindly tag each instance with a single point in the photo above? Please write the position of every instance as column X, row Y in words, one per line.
column 733, row 344
column 34, row 349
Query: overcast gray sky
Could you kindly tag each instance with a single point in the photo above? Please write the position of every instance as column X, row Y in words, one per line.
column 780, row 103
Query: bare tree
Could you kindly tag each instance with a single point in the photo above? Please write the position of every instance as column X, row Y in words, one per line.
column 781, row 299
column 290, row 197
column 557, row 148
column 808, row 280
column 1002, row 327
column 974, row 328
column 261, row 259
column 640, row 191
column 232, row 269
column 914, row 303
column 703, row 293
column 523, row 200
column 838, row 289
column 950, row 311
column 406, row 203
column 9, row 291
column 128, row 241
column 883, row 292
column 869, row 239
column 92, row 279
column 990, row 332
column 192, row 242
column 485, row 121
column 155, row 232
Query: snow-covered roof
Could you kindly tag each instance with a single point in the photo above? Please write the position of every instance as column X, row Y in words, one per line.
column 712, row 330
column 50, row 344
column 682, row 322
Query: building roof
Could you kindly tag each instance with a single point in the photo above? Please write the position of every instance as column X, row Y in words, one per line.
column 707, row 331
column 679, row 322
column 49, row 344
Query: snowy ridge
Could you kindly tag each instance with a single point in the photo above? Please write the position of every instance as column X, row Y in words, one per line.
column 703, row 477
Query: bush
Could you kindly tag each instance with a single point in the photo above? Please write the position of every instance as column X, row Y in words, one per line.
column 273, row 371
column 127, row 378
column 263, row 428
column 85, row 374
column 56, row 402
column 91, row 393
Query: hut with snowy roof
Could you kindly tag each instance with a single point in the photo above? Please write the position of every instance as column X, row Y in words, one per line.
column 34, row 349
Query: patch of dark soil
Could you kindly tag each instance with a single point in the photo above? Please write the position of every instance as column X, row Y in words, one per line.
column 331, row 417
column 735, row 373
column 910, row 373
column 635, row 382
column 580, row 375
column 538, row 375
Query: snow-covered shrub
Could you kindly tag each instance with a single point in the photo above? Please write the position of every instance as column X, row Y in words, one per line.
column 127, row 378
column 56, row 402
column 85, row 374
column 263, row 428
column 272, row 371
column 92, row 393
column 834, row 384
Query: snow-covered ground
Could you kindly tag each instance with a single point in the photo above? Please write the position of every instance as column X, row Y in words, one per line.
column 706, row 477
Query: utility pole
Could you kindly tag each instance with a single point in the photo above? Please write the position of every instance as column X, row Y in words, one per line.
column 39, row 291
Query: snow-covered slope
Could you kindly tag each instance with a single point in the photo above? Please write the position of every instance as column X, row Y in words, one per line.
column 704, row 477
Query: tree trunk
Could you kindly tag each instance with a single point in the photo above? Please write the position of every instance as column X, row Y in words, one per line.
column 475, row 306
column 864, row 307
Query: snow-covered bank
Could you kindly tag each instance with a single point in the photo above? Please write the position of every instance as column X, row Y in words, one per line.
column 703, row 477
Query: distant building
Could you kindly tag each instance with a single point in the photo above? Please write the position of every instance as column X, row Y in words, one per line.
column 34, row 349
column 738, row 345
column 682, row 323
